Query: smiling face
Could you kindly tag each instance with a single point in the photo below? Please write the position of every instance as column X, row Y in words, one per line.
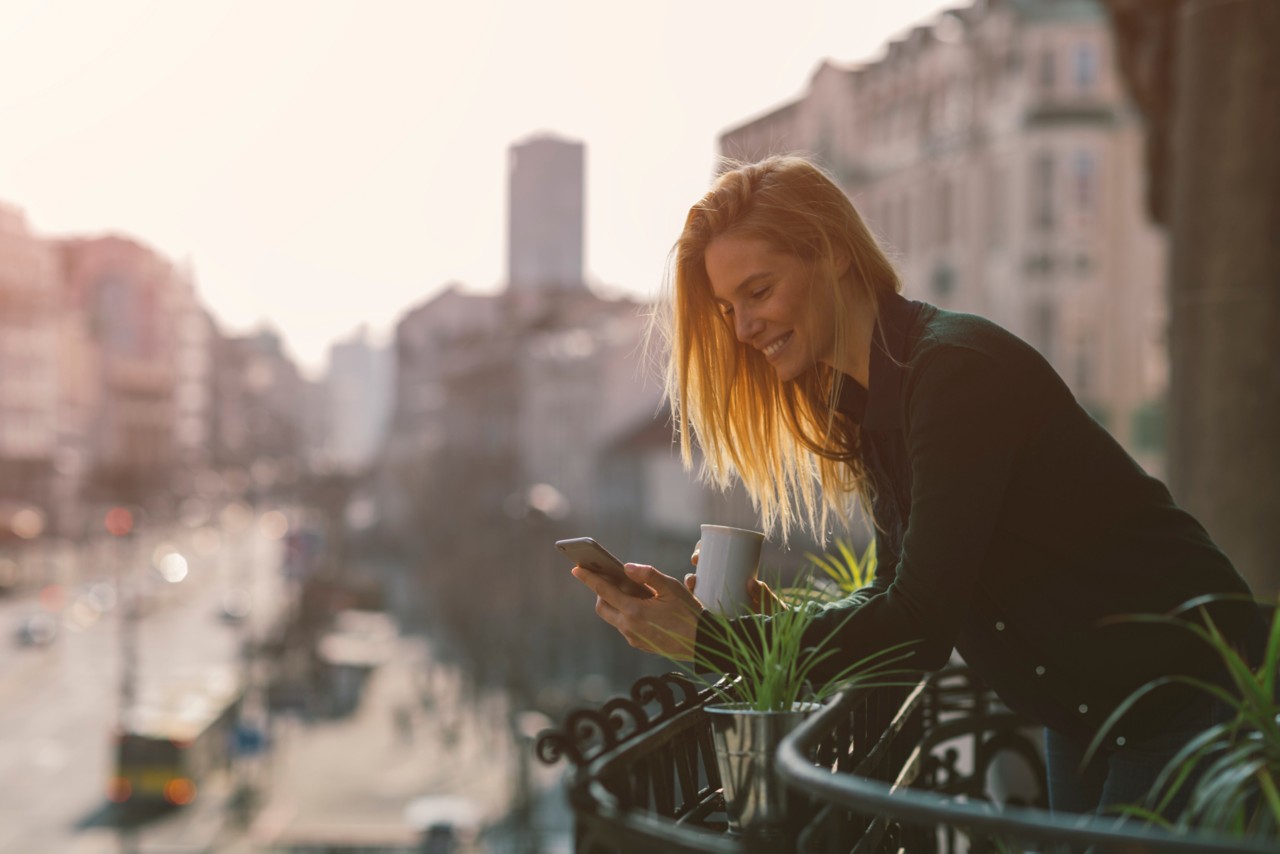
column 773, row 303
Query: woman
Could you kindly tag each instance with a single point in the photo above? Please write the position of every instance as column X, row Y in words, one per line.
column 1010, row 526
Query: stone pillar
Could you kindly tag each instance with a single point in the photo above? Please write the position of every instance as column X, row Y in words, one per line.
column 1224, row 225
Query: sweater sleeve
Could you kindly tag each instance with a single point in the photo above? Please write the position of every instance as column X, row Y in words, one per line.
column 965, row 420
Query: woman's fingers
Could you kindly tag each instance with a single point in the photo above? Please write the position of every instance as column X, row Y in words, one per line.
column 691, row 581
column 697, row 550
column 601, row 586
column 662, row 583
column 665, row 624
column 763, row 600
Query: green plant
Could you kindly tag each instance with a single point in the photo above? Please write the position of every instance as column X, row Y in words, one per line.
column 774, row 667
column 847, row 570
column 1238, row 761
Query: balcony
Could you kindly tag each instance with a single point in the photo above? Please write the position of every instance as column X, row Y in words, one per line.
column 879, row 770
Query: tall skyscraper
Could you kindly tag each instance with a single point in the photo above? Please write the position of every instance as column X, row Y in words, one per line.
column 545, row 215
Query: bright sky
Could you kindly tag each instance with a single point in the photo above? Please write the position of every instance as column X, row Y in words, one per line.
column 322, row 164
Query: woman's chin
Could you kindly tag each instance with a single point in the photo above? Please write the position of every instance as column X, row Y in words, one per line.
column 787, row 373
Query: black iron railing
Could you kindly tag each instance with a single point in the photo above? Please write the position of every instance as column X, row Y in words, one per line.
column 940, row 767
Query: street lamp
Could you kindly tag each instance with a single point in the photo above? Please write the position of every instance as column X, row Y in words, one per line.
column 119, row 524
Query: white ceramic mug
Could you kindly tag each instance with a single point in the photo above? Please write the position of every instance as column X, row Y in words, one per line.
column 727, row 557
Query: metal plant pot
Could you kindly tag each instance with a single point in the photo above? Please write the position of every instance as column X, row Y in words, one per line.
column 756, row 800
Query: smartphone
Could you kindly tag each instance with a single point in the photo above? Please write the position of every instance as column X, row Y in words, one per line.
column 584, row 551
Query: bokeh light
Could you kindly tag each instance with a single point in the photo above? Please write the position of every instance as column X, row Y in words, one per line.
column 52, row 597
column 27, row 523
column 119, row 521
column 173, row 567
column 273, row 524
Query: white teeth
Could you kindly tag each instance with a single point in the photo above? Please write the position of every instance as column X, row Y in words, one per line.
column 776, row 345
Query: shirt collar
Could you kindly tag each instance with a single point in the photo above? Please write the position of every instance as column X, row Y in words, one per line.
column 879, row 407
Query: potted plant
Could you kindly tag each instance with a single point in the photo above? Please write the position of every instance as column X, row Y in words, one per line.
column 1229, row 774
column 768, row 693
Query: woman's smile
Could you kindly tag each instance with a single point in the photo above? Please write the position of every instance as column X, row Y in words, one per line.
column 771, row 350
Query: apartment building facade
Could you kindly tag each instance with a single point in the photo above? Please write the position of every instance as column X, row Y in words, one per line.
column 995, row 155
column 29, row 290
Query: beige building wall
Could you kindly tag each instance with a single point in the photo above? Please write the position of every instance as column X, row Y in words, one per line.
column 583, row 383
column 193, row 365
column 124, row 290
column 993, row 152
column 28, row 341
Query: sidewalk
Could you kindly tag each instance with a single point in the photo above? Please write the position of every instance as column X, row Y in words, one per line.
column 413, row 735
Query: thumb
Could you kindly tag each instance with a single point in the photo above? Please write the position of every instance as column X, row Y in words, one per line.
column 642, row 573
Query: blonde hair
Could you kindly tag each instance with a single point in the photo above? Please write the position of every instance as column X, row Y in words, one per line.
column 798, row 459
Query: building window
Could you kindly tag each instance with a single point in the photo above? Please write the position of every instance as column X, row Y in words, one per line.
column 944, row 213
column 1085, row 182
column 1042, row 191
column 1048, row 69
column 943, row 283
column 904, row 223
column 1149, row 426
column 1043, row 321
column 1085, row 66
column 1039, row 265
column 995, row 207
column 1084, row 365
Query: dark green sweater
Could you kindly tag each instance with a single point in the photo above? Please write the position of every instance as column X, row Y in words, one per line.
column 1011, row 526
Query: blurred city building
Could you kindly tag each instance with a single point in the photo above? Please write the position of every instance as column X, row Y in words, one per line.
column 356, row 392
column 259, row 398
column 116, row 385
column 545, row 214
column 29, row 291
column 997, row 156
column 506, row 394
column 193, row 425
column 123, row 291
column 415, row 436
column 314, row 416
column 517, row 399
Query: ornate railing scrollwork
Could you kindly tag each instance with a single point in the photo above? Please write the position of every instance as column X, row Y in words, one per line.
column 589, row 733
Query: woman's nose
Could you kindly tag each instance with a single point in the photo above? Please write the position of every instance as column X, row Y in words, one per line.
column 747, row 326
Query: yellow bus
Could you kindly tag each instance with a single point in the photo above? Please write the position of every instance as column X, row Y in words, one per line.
column 176, row 737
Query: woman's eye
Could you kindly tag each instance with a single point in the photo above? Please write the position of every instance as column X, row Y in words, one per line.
column 760, row 293
column 726, row 311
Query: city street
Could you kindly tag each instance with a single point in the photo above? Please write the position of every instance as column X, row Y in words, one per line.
column 416, row 745
column 417, row 751
column 59, row 702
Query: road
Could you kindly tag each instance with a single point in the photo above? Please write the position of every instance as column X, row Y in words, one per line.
column 418, row 738
column 59, row 703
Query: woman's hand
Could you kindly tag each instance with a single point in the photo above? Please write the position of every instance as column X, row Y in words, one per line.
column 763, row 600
column 666, row 624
